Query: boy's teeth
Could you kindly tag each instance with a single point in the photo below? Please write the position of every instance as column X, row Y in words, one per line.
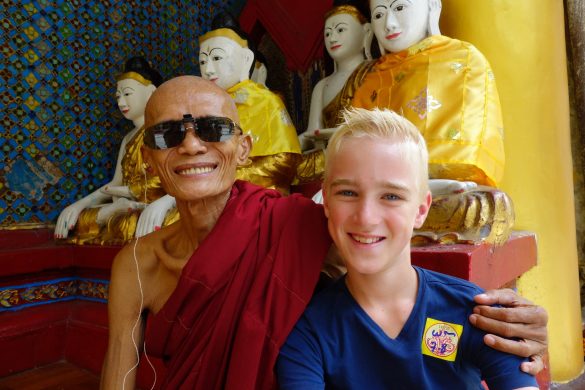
column 367, row 240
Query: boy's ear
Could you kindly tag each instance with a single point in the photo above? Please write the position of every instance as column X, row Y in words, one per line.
column 423, row 210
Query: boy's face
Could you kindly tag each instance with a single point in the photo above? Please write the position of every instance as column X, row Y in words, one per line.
column 373, row 202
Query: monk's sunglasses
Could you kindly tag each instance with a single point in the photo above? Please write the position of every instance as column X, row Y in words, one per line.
column 172, row 133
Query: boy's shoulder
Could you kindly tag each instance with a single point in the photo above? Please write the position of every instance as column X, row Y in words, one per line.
column 447, row 285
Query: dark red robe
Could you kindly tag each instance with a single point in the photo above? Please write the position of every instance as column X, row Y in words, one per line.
column 241, row 292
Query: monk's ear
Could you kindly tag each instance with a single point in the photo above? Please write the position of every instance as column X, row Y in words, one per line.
column 147, row 165
column 244, row 149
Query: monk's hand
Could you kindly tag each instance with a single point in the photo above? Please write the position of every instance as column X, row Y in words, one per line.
column 519, row 319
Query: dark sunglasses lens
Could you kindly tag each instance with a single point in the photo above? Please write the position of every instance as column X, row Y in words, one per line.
column 164, row 135
column 214, row 129
column 174, row 136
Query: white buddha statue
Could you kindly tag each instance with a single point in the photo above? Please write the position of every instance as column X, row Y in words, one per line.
column 347, row 38
column 225, row 59
column 110, row 214
column 447, row 89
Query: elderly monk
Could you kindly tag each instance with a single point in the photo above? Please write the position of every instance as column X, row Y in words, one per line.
column 224, row 285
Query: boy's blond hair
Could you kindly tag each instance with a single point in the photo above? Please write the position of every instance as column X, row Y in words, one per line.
column 384, row 125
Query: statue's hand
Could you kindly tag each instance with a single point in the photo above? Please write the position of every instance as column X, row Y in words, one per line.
column 518, row 318
column 434, row 16
column 118, row 191
column 120, row 205
column 153, row 216
column 318, row 197
column 446, row 187
column 68, row 218
column 306, row 141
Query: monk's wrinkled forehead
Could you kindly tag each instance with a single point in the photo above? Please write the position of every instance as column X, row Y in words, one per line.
column 188, row 95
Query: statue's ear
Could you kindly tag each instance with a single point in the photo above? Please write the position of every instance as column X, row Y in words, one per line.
column 382, row 50
column 247, row 58
column 151, row 89
column 368, row 36
column 434, row 16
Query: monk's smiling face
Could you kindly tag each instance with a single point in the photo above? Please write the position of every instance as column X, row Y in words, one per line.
column 195, row 169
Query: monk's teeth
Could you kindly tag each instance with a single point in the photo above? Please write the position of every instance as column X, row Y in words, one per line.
column 196, row 171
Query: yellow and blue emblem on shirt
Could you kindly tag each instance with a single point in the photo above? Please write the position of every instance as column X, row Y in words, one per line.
column 440, row 339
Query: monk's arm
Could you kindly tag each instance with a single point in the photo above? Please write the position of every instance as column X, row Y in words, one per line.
column 124, row 302
column 521, row 323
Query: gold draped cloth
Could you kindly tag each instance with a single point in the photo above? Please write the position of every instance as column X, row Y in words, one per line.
column 447, row 89
column 276, row 151
column 121, row 227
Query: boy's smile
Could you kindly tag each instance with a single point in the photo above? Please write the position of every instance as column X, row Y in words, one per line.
column 373, row 203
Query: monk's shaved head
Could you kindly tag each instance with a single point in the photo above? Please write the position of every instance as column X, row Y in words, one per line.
column 188, row 95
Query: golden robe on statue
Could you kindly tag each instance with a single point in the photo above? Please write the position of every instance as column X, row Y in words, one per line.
column 276, row 151
column 120, row 228
column 447, row 89
column 331, row 112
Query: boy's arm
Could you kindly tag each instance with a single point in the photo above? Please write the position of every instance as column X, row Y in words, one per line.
column 519, row 319
column 299, row 365
column 124, row 302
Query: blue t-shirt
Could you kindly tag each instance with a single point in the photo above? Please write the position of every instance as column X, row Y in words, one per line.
column 337, row 345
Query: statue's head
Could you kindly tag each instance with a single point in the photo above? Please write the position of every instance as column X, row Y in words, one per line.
column 346, row 32
column 399, row 24
column 134, row 87
column 224, row 55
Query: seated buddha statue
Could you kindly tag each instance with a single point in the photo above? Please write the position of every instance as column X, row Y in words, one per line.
column 447, row 89
column 226, row 59
column 110, row 214
column 347, row 38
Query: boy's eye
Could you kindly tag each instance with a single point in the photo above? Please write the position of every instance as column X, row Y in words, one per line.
column 346, row 193
column 391, row 197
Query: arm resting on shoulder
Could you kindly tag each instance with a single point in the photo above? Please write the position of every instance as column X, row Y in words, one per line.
column 519, row 319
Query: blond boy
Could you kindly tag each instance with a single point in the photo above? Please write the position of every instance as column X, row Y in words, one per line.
column 387, row 324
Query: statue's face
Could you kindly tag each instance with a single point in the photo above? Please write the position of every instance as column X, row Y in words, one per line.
column 220, row 61
column 344, row 36
column 399, row 24
column 132, row 97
